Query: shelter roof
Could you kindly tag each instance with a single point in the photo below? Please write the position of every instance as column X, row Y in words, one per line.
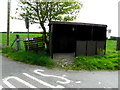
column 76, row 23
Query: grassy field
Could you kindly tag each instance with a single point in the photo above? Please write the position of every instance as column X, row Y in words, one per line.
column 111, row 44
column 13, row 36
column 110, row 61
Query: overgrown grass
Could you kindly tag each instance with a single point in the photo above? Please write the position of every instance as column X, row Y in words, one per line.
column 31, row 57
column 103, row 62
column 110, row 61
column 111, row 45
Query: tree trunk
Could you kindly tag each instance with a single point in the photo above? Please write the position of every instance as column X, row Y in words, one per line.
column 118, row 44
column 44, row 34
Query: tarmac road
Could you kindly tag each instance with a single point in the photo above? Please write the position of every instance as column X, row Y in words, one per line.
column 19, row 75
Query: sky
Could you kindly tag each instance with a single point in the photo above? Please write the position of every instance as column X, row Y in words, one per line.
column 93, row 11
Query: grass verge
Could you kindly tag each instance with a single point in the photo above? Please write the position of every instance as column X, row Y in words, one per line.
column 31, row 57
column 109, row 61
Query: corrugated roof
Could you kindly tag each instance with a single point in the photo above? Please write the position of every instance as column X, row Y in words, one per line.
column 76, row 23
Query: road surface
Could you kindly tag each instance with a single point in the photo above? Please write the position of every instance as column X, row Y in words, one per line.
column 19, row 75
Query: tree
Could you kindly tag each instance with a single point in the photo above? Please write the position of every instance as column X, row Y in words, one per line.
column 42, row 12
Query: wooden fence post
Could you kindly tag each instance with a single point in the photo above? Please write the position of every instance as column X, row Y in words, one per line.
column 18, row 42
column 118, row 44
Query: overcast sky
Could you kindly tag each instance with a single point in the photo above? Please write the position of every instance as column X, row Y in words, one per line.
column 93, row 11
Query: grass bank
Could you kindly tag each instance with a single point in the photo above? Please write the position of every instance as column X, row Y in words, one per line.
column 98, row 62
column 31, row 57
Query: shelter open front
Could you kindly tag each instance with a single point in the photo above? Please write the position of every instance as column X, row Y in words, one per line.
column 63, row 38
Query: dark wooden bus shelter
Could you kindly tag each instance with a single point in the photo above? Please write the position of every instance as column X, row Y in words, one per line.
column 79, row 38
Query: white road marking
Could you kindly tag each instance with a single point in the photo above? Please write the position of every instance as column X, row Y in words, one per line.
column 42, row 82
column 38, row 71
column 5, row 80
column 1, row 87
column 107, row 87
column 78, row 82
column 99, row 82
column 63, row 75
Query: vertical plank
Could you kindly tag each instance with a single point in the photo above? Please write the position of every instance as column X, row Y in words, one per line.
column 101, row 47
column 91, row 48
column 80, row 48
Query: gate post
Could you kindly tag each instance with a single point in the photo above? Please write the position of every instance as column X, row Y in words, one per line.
column 18, row 42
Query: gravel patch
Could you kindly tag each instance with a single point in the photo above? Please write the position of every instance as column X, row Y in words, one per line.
column 64, row 60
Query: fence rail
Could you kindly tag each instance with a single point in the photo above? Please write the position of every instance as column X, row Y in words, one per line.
column 35, row 44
